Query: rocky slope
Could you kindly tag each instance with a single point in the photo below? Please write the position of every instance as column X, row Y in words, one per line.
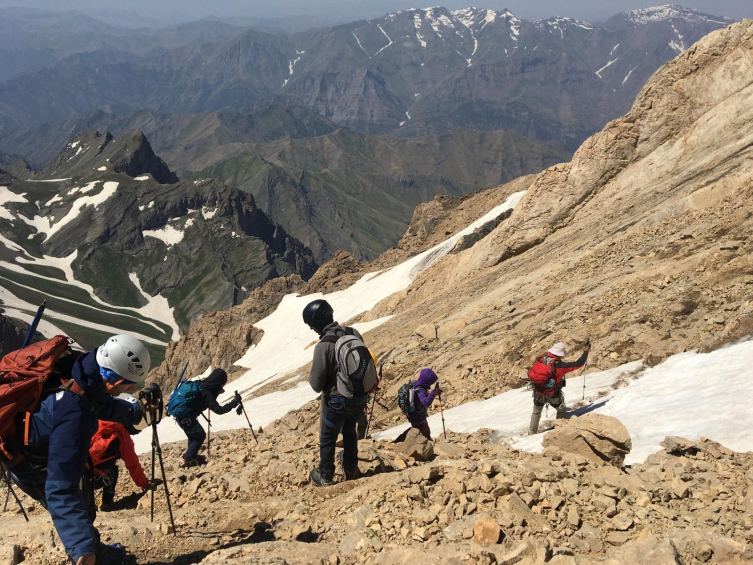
column 473, row 501
column 152, row 253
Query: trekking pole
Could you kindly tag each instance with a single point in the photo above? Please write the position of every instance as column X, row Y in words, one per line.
column 6, row 474
column 441, row 412
column 182, row 373
column 153, row 397
column 209, row 432
column 34, row 323
column 373, row 401
column 585, row 368
column 247, row 420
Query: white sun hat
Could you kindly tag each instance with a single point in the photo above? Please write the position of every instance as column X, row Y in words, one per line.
column 558, row 349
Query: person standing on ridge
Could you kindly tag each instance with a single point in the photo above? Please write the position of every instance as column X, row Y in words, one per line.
column 112, row 442
column 547, row 375
column 53, row 468
column 344, row 371
column 198, row 395
column 418, row 400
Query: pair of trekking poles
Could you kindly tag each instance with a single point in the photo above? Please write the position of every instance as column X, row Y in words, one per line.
column 374, row 401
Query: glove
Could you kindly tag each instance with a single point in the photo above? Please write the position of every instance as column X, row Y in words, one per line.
column 239, row 410
column 154, row 483
column 437, row 389
column 549, row 383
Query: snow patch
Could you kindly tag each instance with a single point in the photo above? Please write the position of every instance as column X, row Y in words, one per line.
column 141, row 178
column 13, row 302
column 207, row 213
column 417, row 27
column 6, row 197
column 103, row 168
column 509, row 413
column 359, row 42
column 598, row 73
column 157, row 307
column 628, row 75
column 388, row 39
column 45, row 225
column 168, row 234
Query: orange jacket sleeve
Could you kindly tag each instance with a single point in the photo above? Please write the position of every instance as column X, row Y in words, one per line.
column 131, row 460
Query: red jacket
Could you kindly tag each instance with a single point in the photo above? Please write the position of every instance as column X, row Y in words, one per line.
column 558, row 370
column 112, row 442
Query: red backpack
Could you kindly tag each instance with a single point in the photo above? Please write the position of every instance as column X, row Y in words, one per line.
column 100, row 450
column 23, row 374
column 542, row 370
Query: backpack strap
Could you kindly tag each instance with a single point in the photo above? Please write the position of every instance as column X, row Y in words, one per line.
column 333, row 337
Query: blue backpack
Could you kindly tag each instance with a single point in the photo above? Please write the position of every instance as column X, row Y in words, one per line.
column 183, row 400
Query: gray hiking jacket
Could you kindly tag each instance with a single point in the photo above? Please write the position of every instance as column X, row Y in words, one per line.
column 323, row 375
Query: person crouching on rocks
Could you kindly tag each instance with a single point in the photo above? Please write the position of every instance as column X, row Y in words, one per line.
column 418, row 401
column 547, row 375
column 345, row 389
column 112, row 442
column 192, row 399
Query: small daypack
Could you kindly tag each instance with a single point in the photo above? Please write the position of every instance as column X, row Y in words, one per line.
column 356, row 372
column 542, row 370
column 23, row 375
column 102, row 447
column 406, row 399
column 183, row 400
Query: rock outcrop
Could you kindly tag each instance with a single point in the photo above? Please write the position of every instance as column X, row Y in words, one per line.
column 593, row 436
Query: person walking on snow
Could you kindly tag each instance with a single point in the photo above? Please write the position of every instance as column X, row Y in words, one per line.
column 338, row 413
column 53, row 471
column 112, row 442
column 422, row 399
column 210, row 389
column 548, row 378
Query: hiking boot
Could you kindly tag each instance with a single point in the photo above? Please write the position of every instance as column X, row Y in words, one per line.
column 186, row 463
column 350, row 473
column 320, row 480
column 201, row 460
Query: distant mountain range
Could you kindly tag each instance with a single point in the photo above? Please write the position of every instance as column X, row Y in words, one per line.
column 410, row 73
column 330, row 187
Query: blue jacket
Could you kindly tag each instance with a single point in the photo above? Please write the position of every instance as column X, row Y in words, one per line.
column 61, row 431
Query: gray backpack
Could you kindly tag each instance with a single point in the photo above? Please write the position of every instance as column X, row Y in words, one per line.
column 356, row 372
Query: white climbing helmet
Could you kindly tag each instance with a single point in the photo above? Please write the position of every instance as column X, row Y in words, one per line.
column 558, row 349
column 126, row 356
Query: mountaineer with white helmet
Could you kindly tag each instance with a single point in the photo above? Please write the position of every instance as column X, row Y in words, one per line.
column 53, row 469
column 547, row 377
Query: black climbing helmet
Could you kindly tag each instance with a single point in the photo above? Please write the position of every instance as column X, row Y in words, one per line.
column 318, row 314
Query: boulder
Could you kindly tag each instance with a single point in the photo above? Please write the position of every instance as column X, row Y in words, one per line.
column 417, row 446
column 594, row 436
column 486, row 531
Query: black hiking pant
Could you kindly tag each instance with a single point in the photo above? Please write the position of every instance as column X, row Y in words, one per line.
column 196, row 436
column 107, row 483
column 338, row 417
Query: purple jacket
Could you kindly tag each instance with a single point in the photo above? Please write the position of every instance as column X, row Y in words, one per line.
column 426, row 380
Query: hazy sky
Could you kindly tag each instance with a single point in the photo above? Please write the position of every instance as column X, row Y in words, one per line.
column 173, row 11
